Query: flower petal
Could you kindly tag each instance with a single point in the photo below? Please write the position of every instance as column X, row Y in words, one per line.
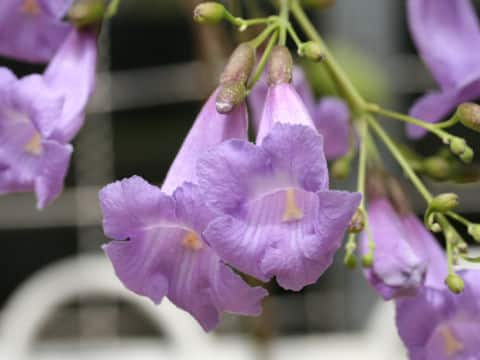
column 55, row 8
column 28, row 33
column 332, row 119
column 72, row 73
column 445, row 33
column 53, row 169
column 209, row 129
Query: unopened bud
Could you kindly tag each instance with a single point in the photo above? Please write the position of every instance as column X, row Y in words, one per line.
column 318, row 4
column 469, row 115
column 350, row 261
column 436, row 167
column 367, row 260
column 209, row 12
column 341, row 168
column 458, row 146
column 467, row 155
column 281, row 66
column 444, row 202
column 474, row 231
column 87, row 12
column 230, row 95
column 239, row 65
column 455, row 283
column 312, row 51
column 357, row 223
column 462, row 248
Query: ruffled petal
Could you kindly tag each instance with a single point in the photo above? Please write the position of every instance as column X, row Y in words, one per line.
column 55, row 8
column 28, row 33
column 209, row 129
column 332, row 119
column 52, row 171
column 283, row 105
column 445, row 33
column 6, row 78
column 72, row 73
column 397, row 270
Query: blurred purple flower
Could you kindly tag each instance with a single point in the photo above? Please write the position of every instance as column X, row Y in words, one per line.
column 159, row 249
column 406, row 253
column 330, row 116
column 439, row 325
column 445, row 32
column 40, row 114
column 276, row 214
column 32, row 30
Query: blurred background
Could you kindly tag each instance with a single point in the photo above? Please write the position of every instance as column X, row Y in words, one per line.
column 59, row 298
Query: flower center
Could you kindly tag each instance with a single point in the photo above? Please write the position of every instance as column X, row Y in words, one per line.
column 192, row 242
column 451, row 343
column 34, row 146
column 292, row 212
column 30, row 7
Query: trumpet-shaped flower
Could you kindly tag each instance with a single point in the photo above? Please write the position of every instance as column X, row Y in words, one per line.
column 439, row 325
column 40, row 114
column 32, row 30
column 445, row 32
column 158, row 248
column 406, row 253
column 276, row 214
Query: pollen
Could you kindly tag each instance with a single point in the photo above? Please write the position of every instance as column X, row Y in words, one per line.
column 192, row 242
column 30, row 7
column 451, row 343
column 34, row 146
column 292, row 212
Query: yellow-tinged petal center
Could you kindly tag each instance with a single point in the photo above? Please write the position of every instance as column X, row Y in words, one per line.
column 292, row 212
column 451, row 343
column 192, row 242
column 34, row 146
column 30, row 7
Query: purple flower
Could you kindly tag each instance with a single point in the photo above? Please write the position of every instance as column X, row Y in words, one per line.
column 276, row 214
column 445, row 33
column 40, row 114
column 439, row 325
column 331, row 115
column 32, row 30
column 159, row 249
column 406, row 253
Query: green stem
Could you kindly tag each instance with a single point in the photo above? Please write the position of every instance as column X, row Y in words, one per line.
column 256, row 42
column 112, row 8
column 443, row 135
column 284, row 12
column 362, row 162
column 459, row 218
column 392, row 147
column 263, row 61
column 294, row 36
column 347, row 89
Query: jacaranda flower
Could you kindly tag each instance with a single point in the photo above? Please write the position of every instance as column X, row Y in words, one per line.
column 330, row 115
column 39, row 115
column 32, row 30
column 445, row 32
column 439, row 325
column 159, row 249
column 406, row 253
column 276, row 214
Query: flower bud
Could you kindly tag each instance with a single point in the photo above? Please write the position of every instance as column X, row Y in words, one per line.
column 280, row 66
column 444, row 202
column 474, row 231
column 230, row 95
column 455, row 283
column 209, row 12
column 318, row 4
column 350, row 261
column 469, row 115
column 367, row 260
column 458, row 146
column 357, row 223
column 86, row 12
column 436, row 167
column 467, row 155
column 239, row 65
column 341, row 168
column 312, row 51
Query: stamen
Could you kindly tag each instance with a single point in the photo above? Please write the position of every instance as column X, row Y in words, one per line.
column 34, row 146
column 451, row 343
column 30, row 7
column 192, row 242
column 292, row 212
